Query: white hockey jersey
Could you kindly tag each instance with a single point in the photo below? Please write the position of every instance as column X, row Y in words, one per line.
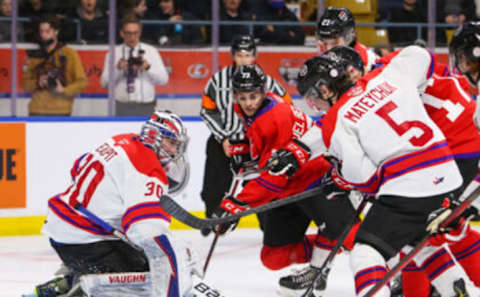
column 381, row 133
column 120, row 182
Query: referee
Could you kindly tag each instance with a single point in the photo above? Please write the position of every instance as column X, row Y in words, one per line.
column 217, row 113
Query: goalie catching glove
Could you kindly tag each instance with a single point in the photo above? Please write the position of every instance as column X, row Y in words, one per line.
column 229, row 205
column 289, row 159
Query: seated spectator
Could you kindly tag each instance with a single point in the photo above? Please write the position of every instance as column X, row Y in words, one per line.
column 410, row 12
column 6, row 26
column 199, row 9
column 93, row 21
column 35, row 10
column 173, row 34
column 456, row 11
column 132, row 9
column 232, row 10
column 275, row 10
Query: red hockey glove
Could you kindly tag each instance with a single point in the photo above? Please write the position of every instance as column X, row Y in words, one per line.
column 331, row 189
column 240, row 154
column 452, row 236
column 289, row 159
column 437, row 216
column 229, row 205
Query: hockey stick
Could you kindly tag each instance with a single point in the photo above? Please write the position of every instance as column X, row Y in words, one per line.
column 323, row 271
column 233, row 188
column 179, row 213
column 117, row 233
column 465, row 203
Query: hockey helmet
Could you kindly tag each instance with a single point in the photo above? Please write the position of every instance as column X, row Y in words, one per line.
column 243, row 42
column 248, row 78
column 351, row 56
column 336, row 22
column 322, row 70
column 465, row 47
column 165, row 124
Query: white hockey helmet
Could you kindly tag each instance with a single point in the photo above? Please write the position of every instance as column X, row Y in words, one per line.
column 165, row 124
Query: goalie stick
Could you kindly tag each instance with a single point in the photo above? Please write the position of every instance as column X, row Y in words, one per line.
column 465, row 203
column 181, row 214
column 323, row 271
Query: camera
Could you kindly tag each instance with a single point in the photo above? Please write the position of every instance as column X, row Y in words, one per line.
column 132, row 64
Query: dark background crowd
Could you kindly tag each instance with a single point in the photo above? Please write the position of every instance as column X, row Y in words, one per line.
column 86, row 21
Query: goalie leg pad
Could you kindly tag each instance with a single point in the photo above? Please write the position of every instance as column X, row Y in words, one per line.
column 117, row 284
column 369, row 267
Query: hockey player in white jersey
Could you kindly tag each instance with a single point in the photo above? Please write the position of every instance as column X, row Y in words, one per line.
column 120, row 182
column 386, row 146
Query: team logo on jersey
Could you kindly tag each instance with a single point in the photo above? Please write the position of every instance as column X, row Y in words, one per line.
column 438, row 180
column 198, row 71
column 290, row 68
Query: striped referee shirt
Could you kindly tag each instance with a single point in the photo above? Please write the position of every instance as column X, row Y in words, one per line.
column 217, row 104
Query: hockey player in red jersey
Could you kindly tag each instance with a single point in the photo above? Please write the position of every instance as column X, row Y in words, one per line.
column 337, row 27
column 120, row 182
column 270, row 124
column 386, row 146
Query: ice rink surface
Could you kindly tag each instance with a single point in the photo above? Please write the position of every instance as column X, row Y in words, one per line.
column 235, row 268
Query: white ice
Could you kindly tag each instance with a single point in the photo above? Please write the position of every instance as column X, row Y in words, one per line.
column 235, row 268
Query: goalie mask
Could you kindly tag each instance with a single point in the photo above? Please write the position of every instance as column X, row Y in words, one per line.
column 322, row 71
column 464, row 51
column 336, row 23
column 165, row 133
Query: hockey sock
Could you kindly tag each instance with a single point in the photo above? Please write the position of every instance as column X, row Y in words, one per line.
column 276, row 258
column 369, row 267
column 467, row 253
column 441, row 269
column 415, row 282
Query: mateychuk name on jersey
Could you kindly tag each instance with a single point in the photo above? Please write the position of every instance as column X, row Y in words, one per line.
column 369, row 101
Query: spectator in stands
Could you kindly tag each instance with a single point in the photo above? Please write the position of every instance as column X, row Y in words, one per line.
column 138, row 68
column 93, row 21
column 132, row 9
column 456, row 11
column 200, row 9
column 232, row 10
column 54, row 74
column 410, row 12
column 5, row 26
column 33, row 9
column 275, row 10
column 173, row 34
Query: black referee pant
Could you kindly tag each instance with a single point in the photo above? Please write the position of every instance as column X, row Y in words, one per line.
column 217, row 176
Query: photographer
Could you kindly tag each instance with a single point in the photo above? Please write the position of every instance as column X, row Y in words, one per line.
column 138, row 68
column 54, row 73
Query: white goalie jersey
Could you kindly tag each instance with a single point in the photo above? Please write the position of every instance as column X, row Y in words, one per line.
column 121, row 182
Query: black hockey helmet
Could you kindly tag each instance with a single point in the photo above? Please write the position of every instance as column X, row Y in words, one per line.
column 336, row 22
column 248, row 78
column 351, row 56
column 465, row 45
column 323, row 70
column 243, row 42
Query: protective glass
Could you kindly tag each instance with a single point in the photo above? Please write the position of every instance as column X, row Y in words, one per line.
column 315, row 100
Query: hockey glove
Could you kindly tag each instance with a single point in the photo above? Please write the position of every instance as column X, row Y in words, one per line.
column 453, row 235
column 229, row 205
column 436, row 217
column 240, row 154
column 289, row 159
column 331, row 189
